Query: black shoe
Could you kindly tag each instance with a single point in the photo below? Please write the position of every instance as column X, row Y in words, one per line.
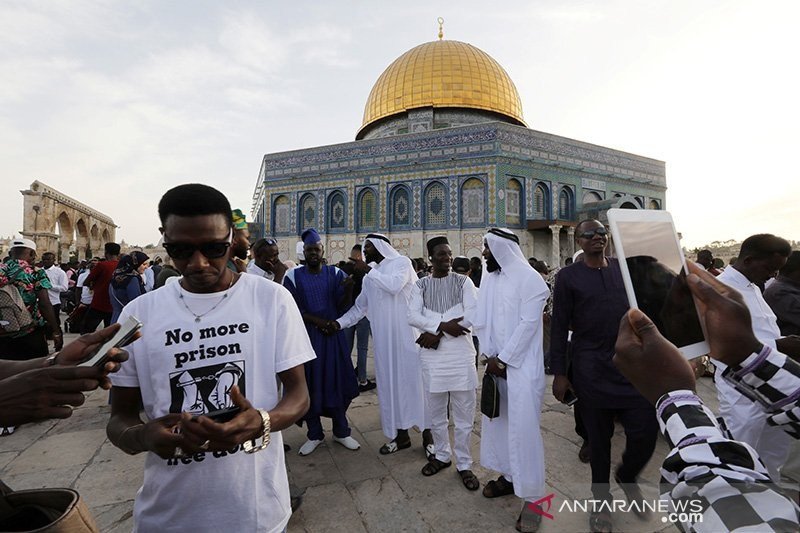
column 367, row 385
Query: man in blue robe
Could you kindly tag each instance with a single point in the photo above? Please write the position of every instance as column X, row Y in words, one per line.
column 322, row 293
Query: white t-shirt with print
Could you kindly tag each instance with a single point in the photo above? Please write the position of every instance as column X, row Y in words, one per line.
column 183, row 365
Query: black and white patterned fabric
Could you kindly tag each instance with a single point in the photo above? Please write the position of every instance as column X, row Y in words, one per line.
column 724, row 477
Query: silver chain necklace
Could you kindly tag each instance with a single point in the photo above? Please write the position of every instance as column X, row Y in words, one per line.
column 196, row 316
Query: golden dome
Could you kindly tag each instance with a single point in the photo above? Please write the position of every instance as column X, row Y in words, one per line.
column 443, row 74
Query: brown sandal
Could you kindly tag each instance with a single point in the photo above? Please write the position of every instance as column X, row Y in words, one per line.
column 469, row 479
column 497, row 488
column 433, row 466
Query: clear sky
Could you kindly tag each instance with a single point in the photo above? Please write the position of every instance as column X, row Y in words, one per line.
column 112, row 103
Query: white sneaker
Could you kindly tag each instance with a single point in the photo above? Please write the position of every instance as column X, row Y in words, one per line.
column 348, row 442
column 309, row 447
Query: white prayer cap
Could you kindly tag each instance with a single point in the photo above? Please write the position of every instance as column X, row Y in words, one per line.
column 23, row 243
column 382, row 244
column 299, row 249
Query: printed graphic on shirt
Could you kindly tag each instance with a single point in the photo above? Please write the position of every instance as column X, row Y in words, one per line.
column 201, row 390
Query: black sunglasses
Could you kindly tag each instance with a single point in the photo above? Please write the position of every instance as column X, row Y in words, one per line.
column 212, row 250
column 592, row 233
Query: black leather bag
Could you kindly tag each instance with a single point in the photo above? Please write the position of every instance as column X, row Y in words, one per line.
column 490, row 396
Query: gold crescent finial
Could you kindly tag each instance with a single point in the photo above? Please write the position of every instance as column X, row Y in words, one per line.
column 440, row 20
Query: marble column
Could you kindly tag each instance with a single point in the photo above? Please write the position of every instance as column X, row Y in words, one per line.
column 555, row 249
column 571, row 240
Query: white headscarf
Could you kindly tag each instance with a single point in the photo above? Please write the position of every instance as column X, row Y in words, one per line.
column 509, row 256
column 383, row 246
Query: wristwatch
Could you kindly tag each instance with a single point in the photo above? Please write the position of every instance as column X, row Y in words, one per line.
column 250, row 446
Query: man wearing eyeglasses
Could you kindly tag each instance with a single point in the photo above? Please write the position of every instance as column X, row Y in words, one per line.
column 589, row 298
column 214, row 341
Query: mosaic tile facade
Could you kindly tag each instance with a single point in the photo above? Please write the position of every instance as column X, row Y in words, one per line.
column 385, row 185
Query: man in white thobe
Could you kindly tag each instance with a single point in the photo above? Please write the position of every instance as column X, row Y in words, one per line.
column 509, row 325
column 439, row 303
column 759, row 259
column 384, row 301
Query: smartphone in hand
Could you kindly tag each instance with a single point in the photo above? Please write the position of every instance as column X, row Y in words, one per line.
column 122, row 337
column 221, row 415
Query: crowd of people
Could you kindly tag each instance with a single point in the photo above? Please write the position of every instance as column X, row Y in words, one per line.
column 241, row 344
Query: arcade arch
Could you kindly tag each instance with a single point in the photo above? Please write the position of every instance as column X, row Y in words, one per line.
column 58, row 223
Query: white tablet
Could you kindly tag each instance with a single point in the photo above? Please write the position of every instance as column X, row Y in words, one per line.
column 654, row 273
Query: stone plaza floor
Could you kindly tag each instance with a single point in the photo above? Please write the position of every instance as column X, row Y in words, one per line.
column 347, row 491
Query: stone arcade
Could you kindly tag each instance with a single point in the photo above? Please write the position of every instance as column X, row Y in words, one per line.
column 60, row 224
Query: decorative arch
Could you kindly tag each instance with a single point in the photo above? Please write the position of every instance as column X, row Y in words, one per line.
column 473, row 202
column 514, row 197
column 95, row 232
column 106, row 236
column 541, row 202
column 654, row 204
column 307, row 213
column 566, row 204
column 281, row 214
column 435, row 205
column 400, row 200
column 591, row 197
column 628, row 205
column 367, row 216
column 337, row 211
column 64, row 224
column 80, row 229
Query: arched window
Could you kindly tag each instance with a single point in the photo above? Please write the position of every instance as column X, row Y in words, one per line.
column 308, row 212
column 590, row 197
column 541, row 202
column 639, row 200
column 654, row 204
column 435, row 208
column 367, row 210
column 401, row 207
column 513, row 202
column 565, row 204
column 473, row 203
column 337, row 214
column 280, row 215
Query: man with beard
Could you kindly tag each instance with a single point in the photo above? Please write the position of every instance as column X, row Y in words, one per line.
column 384, row 300
column 589, row 298
column 509, row 325
column 322, row 293
column 439, row 303
column 241, row 242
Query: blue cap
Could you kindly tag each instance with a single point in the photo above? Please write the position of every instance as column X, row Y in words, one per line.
column 310, row 236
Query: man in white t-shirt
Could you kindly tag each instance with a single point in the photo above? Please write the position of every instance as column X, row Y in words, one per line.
column 58, row 280
column 214, row 340
column 84, row 290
